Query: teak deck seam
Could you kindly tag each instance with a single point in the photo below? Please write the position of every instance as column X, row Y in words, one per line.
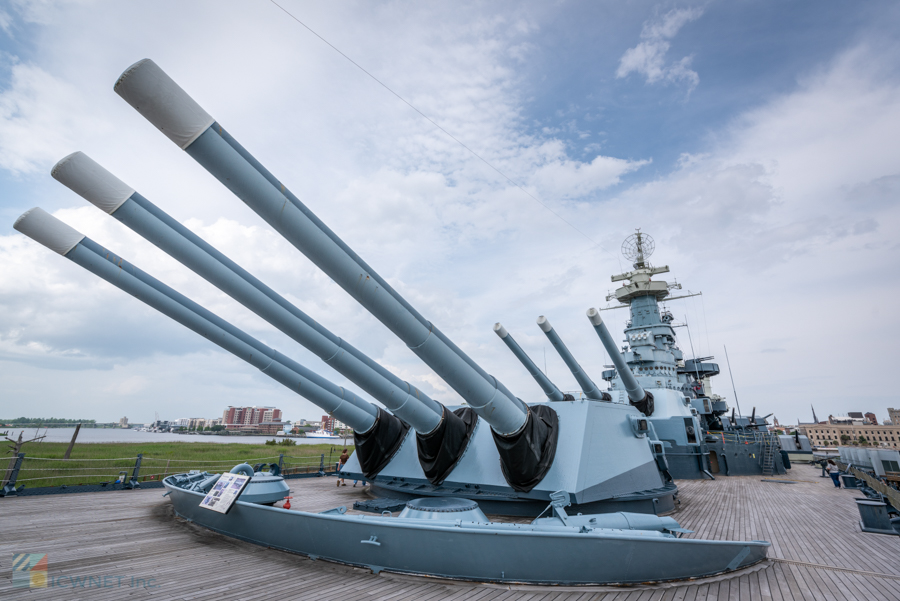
column 818, row 551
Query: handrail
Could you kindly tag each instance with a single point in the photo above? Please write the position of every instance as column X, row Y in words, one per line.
column 29, row 458
column 889, row 492
column 100, row 472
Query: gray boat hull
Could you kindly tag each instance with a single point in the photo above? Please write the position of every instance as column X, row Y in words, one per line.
column 500, row 553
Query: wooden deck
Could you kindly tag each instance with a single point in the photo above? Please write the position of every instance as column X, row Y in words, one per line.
column 818, row 551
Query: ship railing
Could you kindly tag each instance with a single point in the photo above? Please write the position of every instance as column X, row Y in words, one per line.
column 744, row 437
column 25, row 475
column 884, row 488
column 768, row 441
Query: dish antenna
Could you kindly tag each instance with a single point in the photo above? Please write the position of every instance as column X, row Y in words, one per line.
column 638, row 247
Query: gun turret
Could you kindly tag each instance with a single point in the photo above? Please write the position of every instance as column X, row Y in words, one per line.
column 452, row 455
column 343, row 404
column 553, row 393
column 637, row 396
column 587, row 385
column 515, row 426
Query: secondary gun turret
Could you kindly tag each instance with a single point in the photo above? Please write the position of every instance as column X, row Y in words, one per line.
column 638, row 397
column 587, row 385
column 553, row 393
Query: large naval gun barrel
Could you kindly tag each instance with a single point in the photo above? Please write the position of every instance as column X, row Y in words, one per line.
column 110, row 194
column 343, row 404
column 518, row 430
column 638, row 397
column 587, row 385
column 553, row 393
column 168, row 107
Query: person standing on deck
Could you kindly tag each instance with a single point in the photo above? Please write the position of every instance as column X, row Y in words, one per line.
column 834, row 472
column 344, row 458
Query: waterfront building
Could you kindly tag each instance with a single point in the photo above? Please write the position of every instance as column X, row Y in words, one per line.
column 331, row 425
column 845, row 434
column 257, row 420
column 846, row 420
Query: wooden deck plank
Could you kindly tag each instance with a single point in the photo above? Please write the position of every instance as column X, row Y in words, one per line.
column 795, row 519
column 133, row 533
column 680, row 594
column 843, row 588
column 669, row 594
column 857, row 587
column 780, row 578
column 758, row 587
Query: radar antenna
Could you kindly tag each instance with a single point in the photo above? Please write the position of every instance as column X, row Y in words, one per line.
column 638, row 247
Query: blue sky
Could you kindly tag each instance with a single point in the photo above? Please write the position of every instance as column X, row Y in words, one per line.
column 745, row 53
column 754, row 140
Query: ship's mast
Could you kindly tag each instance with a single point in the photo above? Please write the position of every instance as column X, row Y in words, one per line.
column 652, row 352
column 637, row 248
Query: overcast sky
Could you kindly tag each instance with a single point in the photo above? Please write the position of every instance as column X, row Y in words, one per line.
column 757, row 142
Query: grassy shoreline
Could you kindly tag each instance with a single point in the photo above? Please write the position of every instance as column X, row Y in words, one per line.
column 175, row 450
column 93, row 463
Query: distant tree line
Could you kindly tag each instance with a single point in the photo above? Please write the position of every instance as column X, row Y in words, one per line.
column 47, row 422
column 284, row 442
column 216, row 428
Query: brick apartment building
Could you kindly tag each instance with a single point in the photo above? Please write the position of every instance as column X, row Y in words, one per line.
column 252, row 420
column 331, row 424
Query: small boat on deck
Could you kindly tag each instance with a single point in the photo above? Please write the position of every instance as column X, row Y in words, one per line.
column 452, row 538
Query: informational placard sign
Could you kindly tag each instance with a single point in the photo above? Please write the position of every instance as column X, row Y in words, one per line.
column 225, row 492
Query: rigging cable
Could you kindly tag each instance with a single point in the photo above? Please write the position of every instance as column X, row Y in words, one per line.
column 447, row 133
column 705, row 324
column 732, row 381
column 696, row 359
column 695, row 316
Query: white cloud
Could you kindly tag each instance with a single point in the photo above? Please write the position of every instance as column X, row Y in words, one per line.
column 787, row 224
column 45, row 11
column 562, row 177
column 36, row 119
column 404, row 196
column 784, row 219
column 648, row 58
column 5, row 21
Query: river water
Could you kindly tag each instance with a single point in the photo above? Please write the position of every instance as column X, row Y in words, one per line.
column 89, row 435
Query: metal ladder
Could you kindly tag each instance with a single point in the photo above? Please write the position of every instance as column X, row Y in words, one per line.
column 768, row 458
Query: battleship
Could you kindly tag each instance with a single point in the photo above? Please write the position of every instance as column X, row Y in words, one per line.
column 623, row 448
column 507, row 454
column 607, row 455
